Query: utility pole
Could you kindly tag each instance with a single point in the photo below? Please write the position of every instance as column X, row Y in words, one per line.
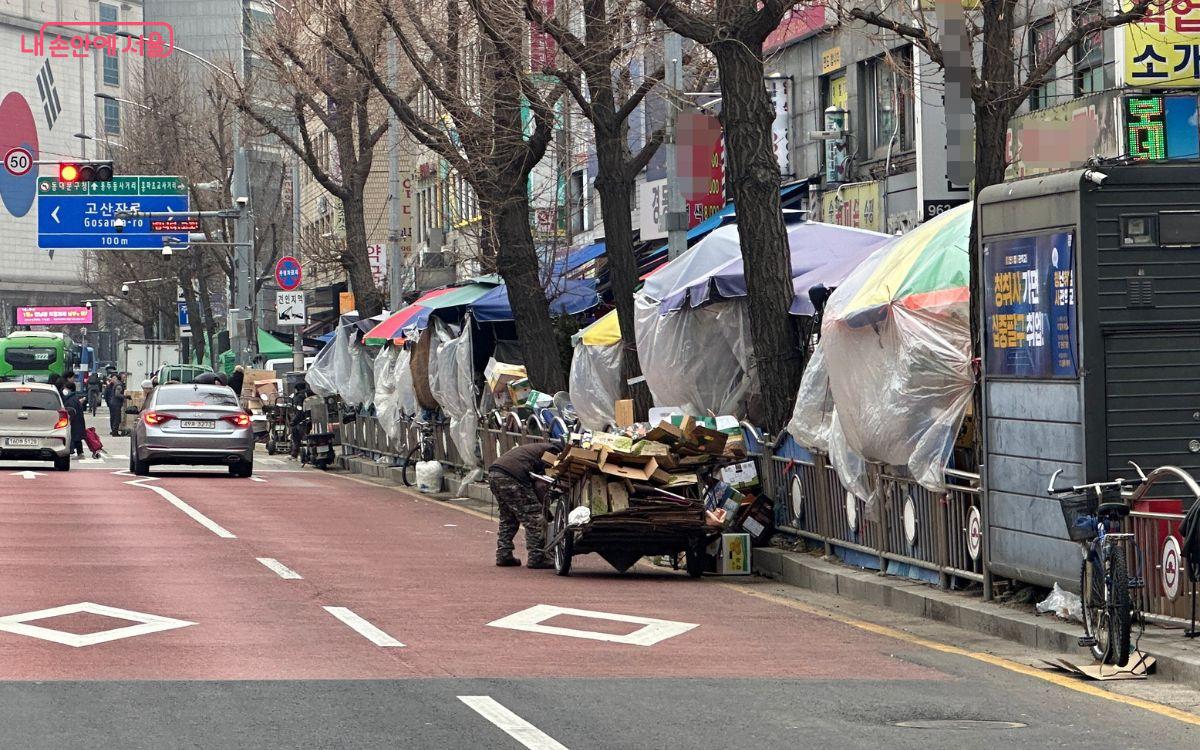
column 395, row 262
column 243, row 231
column 676, row 218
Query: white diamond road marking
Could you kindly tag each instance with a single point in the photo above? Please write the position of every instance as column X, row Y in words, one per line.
column 652, row 631
column 147, row 623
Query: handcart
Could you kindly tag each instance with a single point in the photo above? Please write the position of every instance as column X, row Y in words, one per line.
column 659, row 522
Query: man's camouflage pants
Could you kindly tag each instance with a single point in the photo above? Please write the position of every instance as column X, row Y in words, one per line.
column 518, row 506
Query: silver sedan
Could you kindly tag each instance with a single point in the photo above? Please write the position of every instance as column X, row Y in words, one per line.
column 192, row 425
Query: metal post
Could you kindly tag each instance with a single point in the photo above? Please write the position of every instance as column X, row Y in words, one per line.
column 243, row 276
column 395, row 262
column 676, row 218
column 298, row 332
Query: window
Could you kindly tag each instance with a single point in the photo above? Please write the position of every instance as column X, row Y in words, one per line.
column 112, row 117
column 30, row 399
column 112, row 63
column 1041, row 40
column 1088, row 54
column 890, row 100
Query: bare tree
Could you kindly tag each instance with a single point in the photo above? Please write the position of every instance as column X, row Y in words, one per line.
column 471, row 62
column 607, row 99
column 327, row 93
column 734, row 32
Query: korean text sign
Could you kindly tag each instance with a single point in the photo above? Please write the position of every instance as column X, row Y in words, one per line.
column 53, row 316
column 1163, row 48
column 1029, row 306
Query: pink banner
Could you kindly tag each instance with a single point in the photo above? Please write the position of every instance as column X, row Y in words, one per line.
column 53, row 316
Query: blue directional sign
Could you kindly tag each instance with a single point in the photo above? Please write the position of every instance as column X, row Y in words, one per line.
column 81, row 215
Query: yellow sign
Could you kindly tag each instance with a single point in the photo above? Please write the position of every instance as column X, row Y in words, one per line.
column 838, row 93
column 859, row 206
column 1163, row 49
column 831, row 60
column 345, row 302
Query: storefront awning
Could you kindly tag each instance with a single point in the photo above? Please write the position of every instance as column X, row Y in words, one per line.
column 576, row 296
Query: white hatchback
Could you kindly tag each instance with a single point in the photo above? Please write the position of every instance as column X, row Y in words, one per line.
column 34, row 425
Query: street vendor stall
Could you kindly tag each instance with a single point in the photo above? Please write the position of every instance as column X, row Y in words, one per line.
column 671, row 492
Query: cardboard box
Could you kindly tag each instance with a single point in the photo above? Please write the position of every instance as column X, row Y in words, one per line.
column 618, row 496
column 519, row 390
column 633, row 468
column 711, row 442
column 740, row 475
column 651, row 448
column 623, row 411
column 732, row 555
column 597, row 494
column 611, row 442
column 266, row 390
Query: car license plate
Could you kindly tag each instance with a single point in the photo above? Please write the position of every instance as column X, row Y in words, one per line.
column 22, row 442
column 198, row 424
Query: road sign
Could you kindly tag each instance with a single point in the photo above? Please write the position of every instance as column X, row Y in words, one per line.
column 80, row 215
column 184, row 323
column 18, row 161
column 288, row 273
column 289, row 309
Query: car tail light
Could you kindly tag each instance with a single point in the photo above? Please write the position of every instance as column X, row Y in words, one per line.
column 64, row 419
column 154, row 419
column 238, row 420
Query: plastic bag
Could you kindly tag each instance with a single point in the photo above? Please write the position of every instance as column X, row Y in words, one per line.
column 429, row 476
column 1066, row 605
column 452, row 380
column 579, row 516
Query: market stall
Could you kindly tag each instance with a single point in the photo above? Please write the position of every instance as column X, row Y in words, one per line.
column 891, row 378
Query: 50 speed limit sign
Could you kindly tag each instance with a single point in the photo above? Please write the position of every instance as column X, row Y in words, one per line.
column 18, row 161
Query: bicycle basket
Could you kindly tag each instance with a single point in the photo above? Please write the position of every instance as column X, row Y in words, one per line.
column 1079, row 513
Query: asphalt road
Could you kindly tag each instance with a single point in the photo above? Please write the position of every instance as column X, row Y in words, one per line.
column 303, row 609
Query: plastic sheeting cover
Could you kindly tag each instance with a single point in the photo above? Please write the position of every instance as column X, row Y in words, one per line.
column 696, row 358
column 452, row 380
column 385, row 399
column 898, row 374
column 320, row 375
column 595, row 383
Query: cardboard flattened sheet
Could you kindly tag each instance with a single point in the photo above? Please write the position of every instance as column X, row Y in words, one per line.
column 1139, row 667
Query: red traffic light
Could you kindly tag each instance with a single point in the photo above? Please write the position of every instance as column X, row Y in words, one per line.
column 89, row 171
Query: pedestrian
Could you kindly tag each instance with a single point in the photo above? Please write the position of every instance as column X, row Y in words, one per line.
column 93, row 392
column 519, row 505
column 237, row 380
column 299, row 417
column 74, row 404
column 114, row 397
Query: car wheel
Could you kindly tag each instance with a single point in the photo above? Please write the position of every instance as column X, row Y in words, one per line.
column 242, row 469
column 137, row 466
column 62, row 464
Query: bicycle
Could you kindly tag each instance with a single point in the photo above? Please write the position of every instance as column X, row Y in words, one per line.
column 1094, row 515
column 422, row 451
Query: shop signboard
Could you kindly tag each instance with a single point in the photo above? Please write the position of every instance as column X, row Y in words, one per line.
column 936, row 191
column 1162, row 50
column 701, row 146
column 858, row 206
column 1161, row 127
column 1063, row 137
column 1029, row 307
column 780, row 90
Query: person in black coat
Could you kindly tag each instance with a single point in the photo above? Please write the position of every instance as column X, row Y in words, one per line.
column 237, row 379
column 75, row 405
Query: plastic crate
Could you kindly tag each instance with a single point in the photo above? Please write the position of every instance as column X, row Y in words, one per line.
column 1079, row 513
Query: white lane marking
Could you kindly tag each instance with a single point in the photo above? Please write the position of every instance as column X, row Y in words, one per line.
column 146, row 624
column 362, row 627
column 257, row 479
column 511, row 724
column 282, row 570
column 195, row 515
column 450, row 525
column 652, row 631
column 28, row 474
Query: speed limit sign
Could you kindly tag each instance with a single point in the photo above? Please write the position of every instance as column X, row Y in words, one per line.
column 18, row 161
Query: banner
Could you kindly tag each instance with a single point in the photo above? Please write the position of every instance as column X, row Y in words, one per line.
column 1029, row 306
column 780, row 90
column 859, row 206
column 53, row 316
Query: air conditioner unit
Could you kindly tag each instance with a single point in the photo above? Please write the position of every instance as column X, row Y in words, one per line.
column 323, row 204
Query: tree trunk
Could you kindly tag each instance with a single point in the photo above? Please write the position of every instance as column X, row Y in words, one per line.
column 517, row 262
column 367, row 298
column 210, row 332
column 615, row 185
column 752, row 174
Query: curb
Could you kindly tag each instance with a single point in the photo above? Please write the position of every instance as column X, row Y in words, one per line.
column 1176, row 662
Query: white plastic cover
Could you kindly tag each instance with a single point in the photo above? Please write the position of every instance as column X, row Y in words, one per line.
column 386, row 402
column 698, row 358
column 320, row 376
column 595, row 384
column 894, row 359
column 406, row 394
column 452, row 380
column 429, row 476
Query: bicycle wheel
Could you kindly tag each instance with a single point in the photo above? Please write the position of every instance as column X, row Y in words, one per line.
column 408, row 471
column 1095, row 617
column 1120, row 620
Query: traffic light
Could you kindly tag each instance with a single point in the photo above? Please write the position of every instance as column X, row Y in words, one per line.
column 85, row 171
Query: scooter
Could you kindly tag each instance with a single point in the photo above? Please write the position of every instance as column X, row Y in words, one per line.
column 317, row 448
